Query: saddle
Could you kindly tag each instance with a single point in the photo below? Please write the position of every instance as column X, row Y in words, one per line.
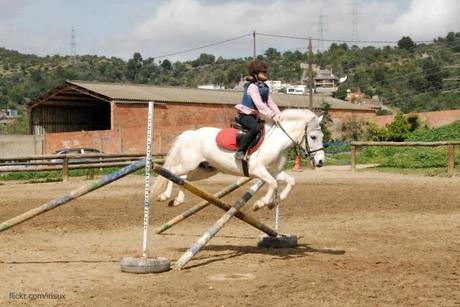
column 229, row 138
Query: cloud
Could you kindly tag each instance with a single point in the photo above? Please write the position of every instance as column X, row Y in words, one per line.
column 427, row 19
column 175, row 25
column 10, row 8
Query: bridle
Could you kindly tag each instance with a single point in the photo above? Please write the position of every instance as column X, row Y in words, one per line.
column 297, row 145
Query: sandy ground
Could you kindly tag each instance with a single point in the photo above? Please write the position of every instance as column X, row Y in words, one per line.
column 365, row 239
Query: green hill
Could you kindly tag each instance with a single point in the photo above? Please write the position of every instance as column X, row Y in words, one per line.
column 409, row 77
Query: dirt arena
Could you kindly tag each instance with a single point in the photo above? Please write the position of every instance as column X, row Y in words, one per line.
column 365, row 239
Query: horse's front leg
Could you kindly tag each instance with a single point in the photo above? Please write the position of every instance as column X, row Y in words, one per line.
column 290, row 183
column 278, row 198
column 262, row 173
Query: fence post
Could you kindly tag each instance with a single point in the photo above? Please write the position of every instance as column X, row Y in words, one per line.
column 451, row 160
column 353, row 157
column 65, row 169
column 90, row 173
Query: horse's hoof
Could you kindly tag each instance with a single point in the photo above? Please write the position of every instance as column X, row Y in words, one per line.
column 271, row 206
column 174, row 203
column 258, row 205
column 162, row 198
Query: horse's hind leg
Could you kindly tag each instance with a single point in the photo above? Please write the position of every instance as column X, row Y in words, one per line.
column 167, row 193
column 197, row 174
column 178, row 171
column 180, row 198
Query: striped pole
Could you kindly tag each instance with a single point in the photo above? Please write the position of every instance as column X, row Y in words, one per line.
column 277, row 217
column 189, row 212
column 73, row 194
column 218, row 225
column 147, row 196
column 212, row 199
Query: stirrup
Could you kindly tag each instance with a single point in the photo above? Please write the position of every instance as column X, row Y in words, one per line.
column 239, row 155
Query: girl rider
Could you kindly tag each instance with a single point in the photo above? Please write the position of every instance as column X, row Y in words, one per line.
column 256, row 101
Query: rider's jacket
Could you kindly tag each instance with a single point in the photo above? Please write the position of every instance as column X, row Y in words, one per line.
column 263, row 90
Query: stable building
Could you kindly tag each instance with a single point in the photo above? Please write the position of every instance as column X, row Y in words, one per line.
column 112, row 117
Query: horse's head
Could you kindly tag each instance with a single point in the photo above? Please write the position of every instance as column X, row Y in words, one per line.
column 313, row 145
column 305, row 128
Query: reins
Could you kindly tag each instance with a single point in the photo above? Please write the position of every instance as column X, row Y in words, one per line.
column 307, row 153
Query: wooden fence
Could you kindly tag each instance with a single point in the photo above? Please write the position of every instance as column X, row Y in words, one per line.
column 70, row 162
column 450, row 150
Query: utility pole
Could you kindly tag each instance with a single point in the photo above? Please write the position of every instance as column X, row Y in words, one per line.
column 254, row 44
column 310, row 74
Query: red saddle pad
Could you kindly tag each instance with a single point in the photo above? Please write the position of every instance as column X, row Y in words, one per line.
column 226, row 138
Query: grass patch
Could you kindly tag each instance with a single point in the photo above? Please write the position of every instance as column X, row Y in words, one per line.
column 338, row 159
column 430, row 171
column 56, row 176
column 30, row 175
column 43, row 180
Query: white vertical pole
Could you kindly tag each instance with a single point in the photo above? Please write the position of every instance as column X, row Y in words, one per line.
column 277, row 217
column 148, row 166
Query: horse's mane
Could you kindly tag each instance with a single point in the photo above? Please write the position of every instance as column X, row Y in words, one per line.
column 297, row 115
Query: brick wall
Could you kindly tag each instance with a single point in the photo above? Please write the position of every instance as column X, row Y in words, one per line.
column 129, row 125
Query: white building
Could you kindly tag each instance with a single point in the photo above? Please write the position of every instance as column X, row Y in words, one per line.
column 274, row 85
column 211, row 87
column 298, row 89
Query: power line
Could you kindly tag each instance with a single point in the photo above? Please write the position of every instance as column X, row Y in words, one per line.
column 202, row 47
column 320, row 39
column 335, row 40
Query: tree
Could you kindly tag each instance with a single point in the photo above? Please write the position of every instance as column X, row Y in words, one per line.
column 406, row 43
column 133, row 66
column 166, row 64
column 398, row 129
column 272, row 54
column 433, row 73
column 326, row 122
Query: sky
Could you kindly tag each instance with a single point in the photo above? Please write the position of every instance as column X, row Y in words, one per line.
column 156, row 27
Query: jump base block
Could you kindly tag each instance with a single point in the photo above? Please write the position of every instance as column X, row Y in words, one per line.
column 141, row 265
column 282, row 241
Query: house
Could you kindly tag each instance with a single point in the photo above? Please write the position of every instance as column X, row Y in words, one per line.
column 325, row 82
column 7, row 116
column 112, row 117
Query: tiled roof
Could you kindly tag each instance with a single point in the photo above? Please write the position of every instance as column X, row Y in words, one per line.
column 128, row 92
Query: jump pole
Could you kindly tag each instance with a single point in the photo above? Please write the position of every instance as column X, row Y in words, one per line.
column 213, row 200
column 144, row 264
column 189, row 212
column 65, row 198
column 218, row 225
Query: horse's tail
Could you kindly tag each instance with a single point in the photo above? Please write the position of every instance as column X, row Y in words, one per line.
column 172, row 159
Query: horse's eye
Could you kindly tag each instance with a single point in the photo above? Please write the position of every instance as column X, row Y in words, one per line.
column 313, row 137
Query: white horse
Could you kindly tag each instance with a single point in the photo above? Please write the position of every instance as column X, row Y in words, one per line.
column 195, row 156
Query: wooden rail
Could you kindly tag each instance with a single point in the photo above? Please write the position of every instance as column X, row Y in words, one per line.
column 355, row 146
column 70, row 162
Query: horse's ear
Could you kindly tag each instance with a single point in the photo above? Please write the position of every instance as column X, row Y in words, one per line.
column 320, row 118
